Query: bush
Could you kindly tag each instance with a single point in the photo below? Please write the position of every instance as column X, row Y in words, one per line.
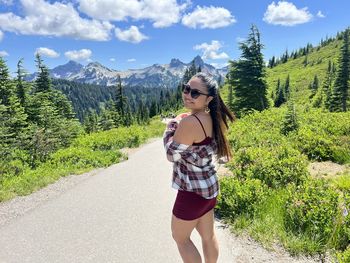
column 240, row 197
column 343, row 257
column 312, row 209
column 276, row 167
column 315, row 144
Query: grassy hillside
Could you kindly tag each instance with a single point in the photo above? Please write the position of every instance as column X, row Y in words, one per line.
column 271, row 195
column 302, row 75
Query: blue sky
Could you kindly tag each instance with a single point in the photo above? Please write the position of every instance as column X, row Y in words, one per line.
column 124, row 34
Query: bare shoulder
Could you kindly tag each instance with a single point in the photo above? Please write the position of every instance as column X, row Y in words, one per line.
column 188, row 123
column 185, row 131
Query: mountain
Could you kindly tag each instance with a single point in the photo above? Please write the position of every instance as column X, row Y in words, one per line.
column 66, row 70
column 166, row 75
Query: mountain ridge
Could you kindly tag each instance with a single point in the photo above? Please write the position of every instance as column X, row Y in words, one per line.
column 157, row 75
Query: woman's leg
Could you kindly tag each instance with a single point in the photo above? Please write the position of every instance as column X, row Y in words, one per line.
column 181, row 231
column 205, row 228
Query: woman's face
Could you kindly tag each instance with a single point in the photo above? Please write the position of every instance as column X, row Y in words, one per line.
column 202, row 101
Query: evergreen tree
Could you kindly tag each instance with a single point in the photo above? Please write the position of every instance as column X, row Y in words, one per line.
column 314, row 86
column 290, row 122
column 43, row 80
column 248, row 76
column 272, row 62
column 287, row 88
column 323, row 95
column 279, row 98
column 21, row 86
column 121, row 102
column 341, row 85
column 153, row 109
column 13, row 119
column 91, row 121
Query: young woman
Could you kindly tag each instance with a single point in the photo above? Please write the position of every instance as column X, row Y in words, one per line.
column 190, row 141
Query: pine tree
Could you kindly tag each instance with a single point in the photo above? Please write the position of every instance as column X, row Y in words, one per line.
column 91, row 121
column 43, row 80
column 341, row 85
column 153, row 109
column 248, row 76
column 21, row 86
column 121, row 102
column 314, row 87
column 279, row 98
column 290, row 122
column 13, row 119
column 323, row 95
column 287, row 89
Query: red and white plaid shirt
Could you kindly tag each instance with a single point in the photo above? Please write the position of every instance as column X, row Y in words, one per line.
column 193, row 169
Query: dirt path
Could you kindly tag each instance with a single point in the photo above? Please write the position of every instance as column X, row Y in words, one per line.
column 119, row 214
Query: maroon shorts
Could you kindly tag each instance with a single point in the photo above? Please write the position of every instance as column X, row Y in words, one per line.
column 190, row 206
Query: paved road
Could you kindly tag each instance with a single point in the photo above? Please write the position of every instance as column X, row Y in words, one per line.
column 121, row 214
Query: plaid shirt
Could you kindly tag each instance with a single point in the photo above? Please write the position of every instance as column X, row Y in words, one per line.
column 193, row 169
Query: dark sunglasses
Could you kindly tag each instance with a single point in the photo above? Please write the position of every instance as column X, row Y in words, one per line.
column 195, row 93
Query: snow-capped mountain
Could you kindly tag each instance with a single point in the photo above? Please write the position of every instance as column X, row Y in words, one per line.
column 167, row 75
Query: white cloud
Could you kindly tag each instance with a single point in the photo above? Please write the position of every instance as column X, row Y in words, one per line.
column 57, row 19
column 131, row 60
column 82, row 54
column 132, row 35
column 211, row 51
column 286, row 14
column 46, row 52
column 112, row 59
column 3, row 53
column 1, row 35
column 163, row 13
column 320, row 15
column 208, row 17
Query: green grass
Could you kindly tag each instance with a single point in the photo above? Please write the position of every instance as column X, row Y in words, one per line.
column 86, row 153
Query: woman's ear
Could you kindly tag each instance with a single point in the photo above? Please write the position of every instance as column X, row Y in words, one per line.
column 209, row 99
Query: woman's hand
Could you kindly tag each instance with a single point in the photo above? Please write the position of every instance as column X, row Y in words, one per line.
column 182, row 115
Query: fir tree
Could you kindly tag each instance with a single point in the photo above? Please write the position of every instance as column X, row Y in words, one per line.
column 287, row 89
column 21, row 86
column 248, row 76
column 13, row 119
column 314, row 86
column 290, row 122
column 279, row 98
column 341, row 85
column 91, row 121
column 43, row 81
column 120, row 101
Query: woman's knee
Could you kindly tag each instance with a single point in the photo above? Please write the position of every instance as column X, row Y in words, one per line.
column 180, row 238
column 208, row 238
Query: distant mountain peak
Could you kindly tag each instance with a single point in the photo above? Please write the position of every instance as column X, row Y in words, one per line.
column 176, row 63
column 198, row 61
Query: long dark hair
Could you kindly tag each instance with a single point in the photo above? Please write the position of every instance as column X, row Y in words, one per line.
column 220, row 115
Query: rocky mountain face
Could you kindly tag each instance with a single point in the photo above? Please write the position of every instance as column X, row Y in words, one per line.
column 166, row 75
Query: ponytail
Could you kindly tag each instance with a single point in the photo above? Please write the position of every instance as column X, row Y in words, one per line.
column 220, row 115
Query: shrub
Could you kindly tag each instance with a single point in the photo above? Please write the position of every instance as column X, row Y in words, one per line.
column 312, row 209
column 343, row 257
column 276, row 167
column 240, row 197
column 314, row 143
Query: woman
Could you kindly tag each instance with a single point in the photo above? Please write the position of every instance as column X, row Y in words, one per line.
column 190, row 141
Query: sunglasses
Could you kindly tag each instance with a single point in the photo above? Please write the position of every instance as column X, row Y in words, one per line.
column 195, row 93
